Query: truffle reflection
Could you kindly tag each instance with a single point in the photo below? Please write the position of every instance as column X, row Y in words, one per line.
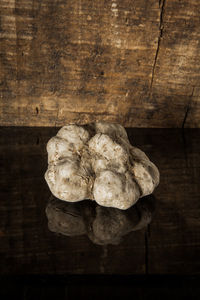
column 103, row 225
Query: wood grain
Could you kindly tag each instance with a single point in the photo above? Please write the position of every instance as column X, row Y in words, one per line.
column 134, row 62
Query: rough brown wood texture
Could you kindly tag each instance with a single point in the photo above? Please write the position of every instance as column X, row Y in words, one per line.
column 135, row 62
column 171, row 244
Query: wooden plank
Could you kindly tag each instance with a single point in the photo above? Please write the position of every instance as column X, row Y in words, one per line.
column 134, row 62
column 176, row 78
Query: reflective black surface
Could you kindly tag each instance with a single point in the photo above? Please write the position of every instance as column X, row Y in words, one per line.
column 103, row 225
column 170, row 244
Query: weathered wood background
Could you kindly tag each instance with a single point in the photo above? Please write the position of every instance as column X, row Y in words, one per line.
column 136, row 62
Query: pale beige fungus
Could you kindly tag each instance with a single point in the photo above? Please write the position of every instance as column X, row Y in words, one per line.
column 97, row 162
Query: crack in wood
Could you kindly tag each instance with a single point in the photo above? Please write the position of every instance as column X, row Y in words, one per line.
column 185, row 116
column 161, row 26
column 183, row 127
column 187, row 109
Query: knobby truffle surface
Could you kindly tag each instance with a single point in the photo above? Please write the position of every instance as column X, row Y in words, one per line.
column 97, row 162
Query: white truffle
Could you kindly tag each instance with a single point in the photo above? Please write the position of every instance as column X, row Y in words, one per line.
column 124, row 188
column 97, row 162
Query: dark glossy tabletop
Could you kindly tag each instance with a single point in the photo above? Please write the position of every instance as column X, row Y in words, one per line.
column 169, row 245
